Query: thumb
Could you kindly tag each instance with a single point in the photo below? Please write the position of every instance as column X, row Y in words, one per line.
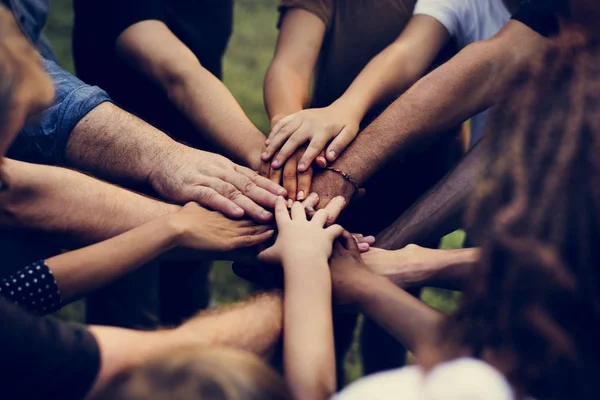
column 268, row 256
column 349, row 242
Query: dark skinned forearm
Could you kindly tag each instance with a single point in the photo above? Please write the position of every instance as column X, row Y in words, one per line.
column 440, row 210
column 470, row 82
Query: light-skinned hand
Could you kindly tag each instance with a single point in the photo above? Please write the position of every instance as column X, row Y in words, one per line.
column 184, row 174
column 318, row 127
column 200, row 229
column 298, row 238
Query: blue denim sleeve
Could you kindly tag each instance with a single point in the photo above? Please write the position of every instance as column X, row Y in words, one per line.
column 44, row 139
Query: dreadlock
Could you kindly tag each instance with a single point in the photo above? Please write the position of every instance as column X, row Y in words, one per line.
column 536, row 215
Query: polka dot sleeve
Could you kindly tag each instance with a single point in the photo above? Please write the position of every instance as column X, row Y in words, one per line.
column 33, row 288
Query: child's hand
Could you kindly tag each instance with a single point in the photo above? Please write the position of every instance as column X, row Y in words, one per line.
column 298, row 238
column 200, row 229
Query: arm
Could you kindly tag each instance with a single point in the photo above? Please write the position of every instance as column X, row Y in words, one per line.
column 287, row 83
column 392, row 71
column 415, row 266
column 59, row 201
column 153, row 49
column 477, row 76
column 303, row 248
column 406, row 318
column 440, row 210
column 177, row 172
column 254, row 326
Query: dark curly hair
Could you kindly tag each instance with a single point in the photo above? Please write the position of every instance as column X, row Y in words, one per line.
column 536, row 214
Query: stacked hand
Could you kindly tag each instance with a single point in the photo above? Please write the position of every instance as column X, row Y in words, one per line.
column 298, row 237
column 200, row 229
column 185, row 174
column 298, row 140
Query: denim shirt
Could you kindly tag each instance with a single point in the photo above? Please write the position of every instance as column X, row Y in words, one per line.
column 44, row 139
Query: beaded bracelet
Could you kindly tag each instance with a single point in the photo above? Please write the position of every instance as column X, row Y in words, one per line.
column 346, row 176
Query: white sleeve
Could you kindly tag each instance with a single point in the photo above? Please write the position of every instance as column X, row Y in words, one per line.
column 404, row 383
column 447, row 12
column 466, row 379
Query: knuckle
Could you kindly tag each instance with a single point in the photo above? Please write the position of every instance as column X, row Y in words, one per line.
column 249, row 187
column 289, row 174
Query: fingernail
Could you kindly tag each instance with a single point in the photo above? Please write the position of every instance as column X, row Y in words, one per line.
column 266, row 214
column 271, row 232
column 309, row 209
column 332, row 154
column 267, row 141
column 370, row 239
column 300, row 195
column 290, row 203
column 341, row 198
column 276, row 163
column 282, row 192
column 363, row 246
column 264, row 155
column 302, row 166
column 238, row 210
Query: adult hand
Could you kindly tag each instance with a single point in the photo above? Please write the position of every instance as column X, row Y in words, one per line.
column 296, row 183
column 348, row 270
column 298, row 238
column 200, row 229
column 329, row 185
column 185, row 174
column 319, row 126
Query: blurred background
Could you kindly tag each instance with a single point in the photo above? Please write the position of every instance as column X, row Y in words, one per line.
column 249, row 53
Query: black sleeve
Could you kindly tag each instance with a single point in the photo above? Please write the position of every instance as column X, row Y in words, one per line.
column 42, row 358
column 540, row 18
column 129, row 12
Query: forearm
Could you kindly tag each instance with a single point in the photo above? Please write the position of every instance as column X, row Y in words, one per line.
column 387, row 75
column 113, row 144
column 429, row 107
column 285, row 91
column 405, row 317
column 68, row 203
column 440, row 210
column 309, row 364
column 253, row 326
column 84, row 270
column 214, row 111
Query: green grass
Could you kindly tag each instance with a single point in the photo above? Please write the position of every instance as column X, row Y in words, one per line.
column 249, row 53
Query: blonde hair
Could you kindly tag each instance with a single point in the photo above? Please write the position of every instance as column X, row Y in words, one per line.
column 211, row 373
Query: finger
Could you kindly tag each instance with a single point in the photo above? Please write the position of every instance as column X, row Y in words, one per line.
column 268, row 255
column 253, row 240
column 311, row 201
column 275, row 175
column 321, row 161
column 262, row 182
column 335, row 231
column 334, row 208
column 290, row 147
column 285, row 135
column 349, row 242
column 339, row 144
column 230, row 190
column 363, row 247
column 316, row 146
column 209, row 197
column 304, row 183
column 320, row 217
column 298, row 212
column 265, row 167
column 289, row 178
column 254, row 230
column 281, row 212
column 279, row 125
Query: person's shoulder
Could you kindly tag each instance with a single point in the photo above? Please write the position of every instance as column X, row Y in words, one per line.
column 386, row 385
column 466, row 378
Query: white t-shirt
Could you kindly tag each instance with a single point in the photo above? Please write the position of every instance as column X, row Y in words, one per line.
column 468, row 21
column 461, row 379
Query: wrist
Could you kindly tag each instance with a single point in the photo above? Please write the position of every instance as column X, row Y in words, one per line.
column 251, row 155
column 174, row 228
column 350, row 107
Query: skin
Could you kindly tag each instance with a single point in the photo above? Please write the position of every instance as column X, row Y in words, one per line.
column 390, row 73
column 478, row 75
column 402, row 315
column 303, row 248
column 152, row 49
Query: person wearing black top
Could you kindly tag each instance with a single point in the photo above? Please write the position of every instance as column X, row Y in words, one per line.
column 162, row 61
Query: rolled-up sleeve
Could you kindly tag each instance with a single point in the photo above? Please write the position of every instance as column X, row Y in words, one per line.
column 44, row 138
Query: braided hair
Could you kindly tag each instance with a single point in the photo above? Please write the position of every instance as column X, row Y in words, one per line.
column 536, row 214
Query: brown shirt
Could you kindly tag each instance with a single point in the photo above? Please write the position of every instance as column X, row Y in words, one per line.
column 357, row 30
